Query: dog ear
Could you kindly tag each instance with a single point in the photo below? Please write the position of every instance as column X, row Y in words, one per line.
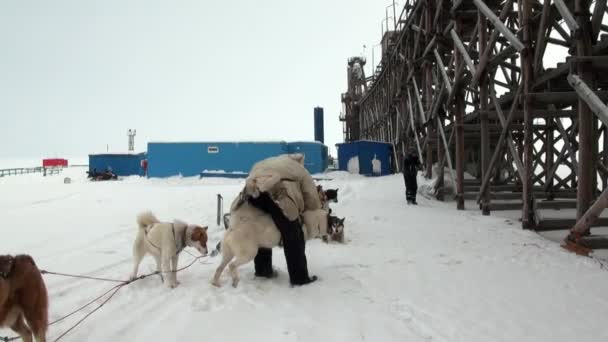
column 196, row 234
column 205, row 228
column 342, row 220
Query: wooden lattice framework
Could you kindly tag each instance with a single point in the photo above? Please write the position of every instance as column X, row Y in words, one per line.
column 499, row 85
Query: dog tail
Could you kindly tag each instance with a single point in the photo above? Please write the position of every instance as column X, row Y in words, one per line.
column 146, row 219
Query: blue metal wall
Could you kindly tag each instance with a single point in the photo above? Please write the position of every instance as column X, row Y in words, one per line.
column 190, row 159
column 121, row 164
column 319, row 128
column 367, row 151
column 315, row 155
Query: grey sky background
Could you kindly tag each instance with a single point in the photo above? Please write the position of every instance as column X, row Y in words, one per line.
column 75, row 75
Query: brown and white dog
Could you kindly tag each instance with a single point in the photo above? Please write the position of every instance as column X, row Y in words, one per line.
column 164, row 241
column 23, row 298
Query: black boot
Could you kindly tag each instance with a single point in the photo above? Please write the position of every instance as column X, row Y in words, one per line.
column 263, row 263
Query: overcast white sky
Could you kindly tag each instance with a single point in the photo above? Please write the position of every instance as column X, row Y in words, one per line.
column 75, row 75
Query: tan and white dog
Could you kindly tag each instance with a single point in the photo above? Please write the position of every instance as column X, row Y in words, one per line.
column 250, row 229
column 164, row 241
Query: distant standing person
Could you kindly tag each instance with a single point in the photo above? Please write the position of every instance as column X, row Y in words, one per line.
column 144, row 166
column 411, row 165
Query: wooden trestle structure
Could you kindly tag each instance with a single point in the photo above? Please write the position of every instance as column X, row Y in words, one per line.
column 512, row 92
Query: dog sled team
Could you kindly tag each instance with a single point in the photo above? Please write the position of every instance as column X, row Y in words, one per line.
column 279, row 205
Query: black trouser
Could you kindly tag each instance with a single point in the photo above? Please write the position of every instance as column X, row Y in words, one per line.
column 411, row 187
column 294, row 244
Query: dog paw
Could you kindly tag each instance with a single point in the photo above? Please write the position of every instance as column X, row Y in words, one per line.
column 216, row 284
column 235, row 283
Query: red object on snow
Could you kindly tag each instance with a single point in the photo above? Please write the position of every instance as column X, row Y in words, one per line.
column 54, row 162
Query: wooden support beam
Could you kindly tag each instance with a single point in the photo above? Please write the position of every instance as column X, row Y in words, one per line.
column 586, row 166
column 511, row 145
column 566, row 15
column 583, row 225
column 589, row 96
column 483, row 107
column 446, row 149
column 419, row 101
column 486, row 179
column 541, row 43
column 527, row 74
column 499, row 25
column 444, row 75
column 459, row 109
column 485, row 57
column 596, row 21
column 411, row 115
column 463, row 51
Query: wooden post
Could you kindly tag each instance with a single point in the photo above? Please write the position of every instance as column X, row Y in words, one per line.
column 527, row 219
column 459, row 108
column 574, row 240
column 549, row 154
column 586, row 167
column 428, row 89
column 483, row 107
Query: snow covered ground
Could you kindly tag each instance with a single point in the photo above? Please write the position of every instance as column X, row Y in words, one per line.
column 425, row 273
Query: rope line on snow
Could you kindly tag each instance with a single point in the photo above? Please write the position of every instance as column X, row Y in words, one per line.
column 112, row 292
column 81, row 276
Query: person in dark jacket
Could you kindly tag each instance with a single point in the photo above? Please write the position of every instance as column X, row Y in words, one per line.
column 411, row 165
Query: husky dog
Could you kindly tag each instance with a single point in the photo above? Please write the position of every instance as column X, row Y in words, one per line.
column 250, row 229
column 336, row 228
column 165, row 241
column 23, row 298
column 332, row 195
column 326, row 196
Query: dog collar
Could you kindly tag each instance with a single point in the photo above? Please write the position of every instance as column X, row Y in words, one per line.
column 11, row 265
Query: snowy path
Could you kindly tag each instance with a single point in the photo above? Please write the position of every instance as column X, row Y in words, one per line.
column 426, row 273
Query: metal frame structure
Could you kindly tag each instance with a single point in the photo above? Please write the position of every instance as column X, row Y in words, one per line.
column 510, row 91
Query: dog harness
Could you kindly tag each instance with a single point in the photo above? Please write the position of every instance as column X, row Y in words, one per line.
column 11, row 265
column 178, row 248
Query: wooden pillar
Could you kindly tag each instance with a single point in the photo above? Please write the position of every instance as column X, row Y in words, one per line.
column 428, row 90
column 586, row 167
column 483, row 106
column 526, row 66
column 459, row 108
column 605, row 159
column 550, row 130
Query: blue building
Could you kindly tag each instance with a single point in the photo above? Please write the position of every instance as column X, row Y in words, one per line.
column 188, row 159
column 364, row 157
column 316, row 155
column 125, row 164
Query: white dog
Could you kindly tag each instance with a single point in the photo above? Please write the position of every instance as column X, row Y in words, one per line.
column 165, row 241
column 250, row 229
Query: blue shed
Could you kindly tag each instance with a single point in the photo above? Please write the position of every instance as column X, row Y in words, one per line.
column 191, row 158
column 126, row 164
column 315, row 155
column 364, row 157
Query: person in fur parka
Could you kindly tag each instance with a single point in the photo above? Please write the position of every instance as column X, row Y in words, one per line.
column 283, row 188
